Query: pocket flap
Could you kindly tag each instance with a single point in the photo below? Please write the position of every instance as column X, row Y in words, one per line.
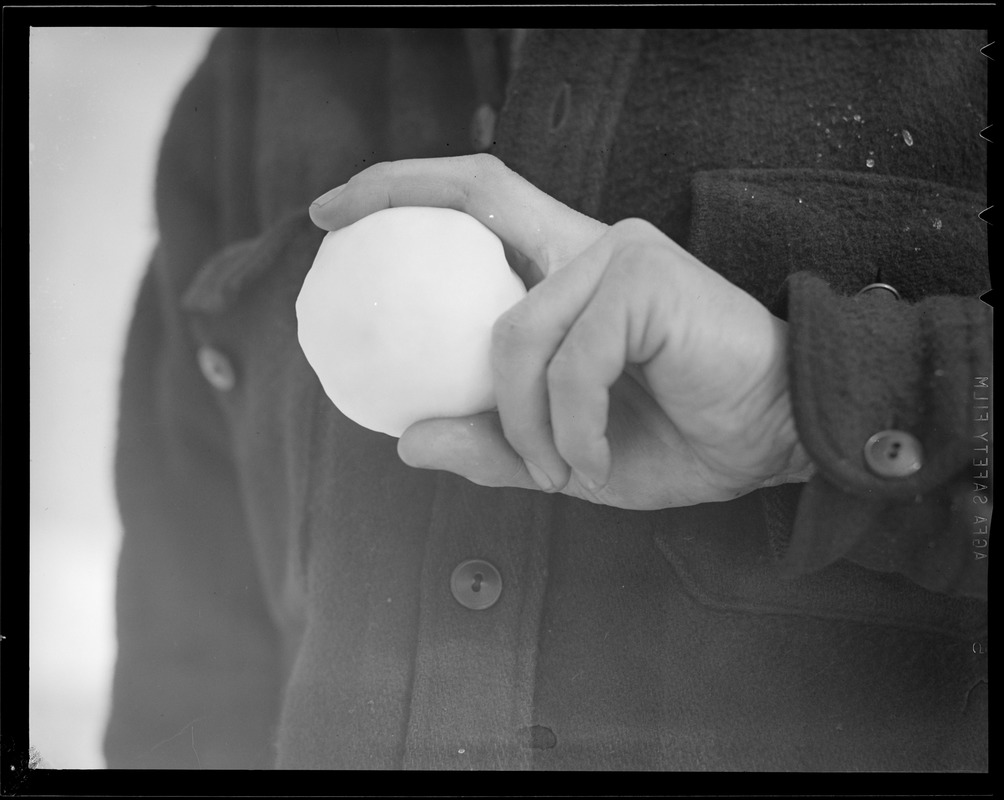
column 756, row 227
column 219, row 282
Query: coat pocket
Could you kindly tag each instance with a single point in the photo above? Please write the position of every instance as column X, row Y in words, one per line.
column 756, row 227
column 722, row 557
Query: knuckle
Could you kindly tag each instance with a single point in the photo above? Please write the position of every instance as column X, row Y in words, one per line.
column 514, row 328
column 380, row 170
column 486, row 167
column 634, row 228
column 563, row 371
column 639, row 263
column 381, row 173
column 487, row 162
column 475, row 175
column 640, row 246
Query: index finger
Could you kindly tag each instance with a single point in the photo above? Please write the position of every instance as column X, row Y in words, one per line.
column 540, row 227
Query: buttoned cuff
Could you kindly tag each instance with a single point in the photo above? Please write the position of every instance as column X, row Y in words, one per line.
column 891, row 401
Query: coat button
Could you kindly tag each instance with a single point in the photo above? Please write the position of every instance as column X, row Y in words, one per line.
column 476, row 584
column 483, row 128
column 880, row 290
column 893, row 454
column 217, row 369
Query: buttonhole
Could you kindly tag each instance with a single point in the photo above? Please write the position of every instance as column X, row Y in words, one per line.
column 476, row 586
column 559, row 110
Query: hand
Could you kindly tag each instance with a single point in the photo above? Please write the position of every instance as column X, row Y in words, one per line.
column 631, row 374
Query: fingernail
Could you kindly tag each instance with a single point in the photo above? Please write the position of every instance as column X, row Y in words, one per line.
column 539, row 477
column 327, row 197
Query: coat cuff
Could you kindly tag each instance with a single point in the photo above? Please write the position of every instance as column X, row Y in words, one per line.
column 864, row 364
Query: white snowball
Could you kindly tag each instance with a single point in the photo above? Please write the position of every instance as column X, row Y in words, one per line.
column 395, row 316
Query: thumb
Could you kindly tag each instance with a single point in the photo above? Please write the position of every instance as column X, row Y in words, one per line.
column 473, row 447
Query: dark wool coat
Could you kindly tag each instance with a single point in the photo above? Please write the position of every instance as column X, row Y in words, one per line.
column 284, row 590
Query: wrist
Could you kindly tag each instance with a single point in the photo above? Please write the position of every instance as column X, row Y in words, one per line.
column 795, row 465
column 799, row 468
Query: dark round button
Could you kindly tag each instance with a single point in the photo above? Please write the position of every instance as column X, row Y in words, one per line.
column 881, row 290
column 893, row 454
column 217, row 369
column 476, row 584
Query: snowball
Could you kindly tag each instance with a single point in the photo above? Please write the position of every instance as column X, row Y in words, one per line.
column 396, row 313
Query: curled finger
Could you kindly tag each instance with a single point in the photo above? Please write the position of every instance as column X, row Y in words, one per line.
column 606, row 337
column 526, row 219
column 524, row 340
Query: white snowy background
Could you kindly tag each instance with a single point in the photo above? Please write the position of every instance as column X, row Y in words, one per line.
column 98, row 105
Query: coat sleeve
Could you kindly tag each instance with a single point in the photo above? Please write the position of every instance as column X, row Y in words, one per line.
column 196, row 681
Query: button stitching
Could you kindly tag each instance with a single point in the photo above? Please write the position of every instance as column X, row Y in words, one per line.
column 470, row 578
column 888, row 454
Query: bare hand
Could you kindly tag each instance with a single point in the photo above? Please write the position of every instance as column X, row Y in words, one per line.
column 631, row 374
